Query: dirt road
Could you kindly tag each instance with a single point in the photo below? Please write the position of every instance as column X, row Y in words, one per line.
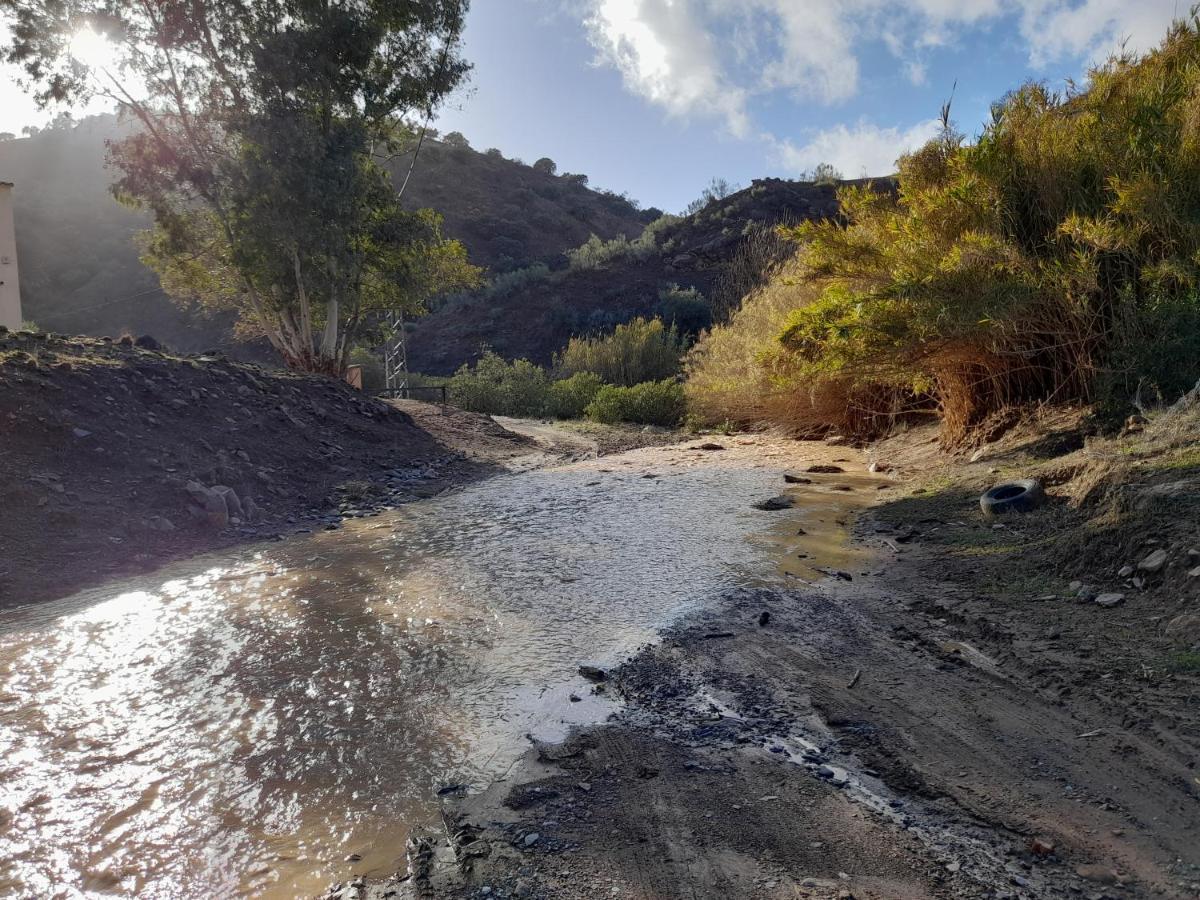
column 833, row 737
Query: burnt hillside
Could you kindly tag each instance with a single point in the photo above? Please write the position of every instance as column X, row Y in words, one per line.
column 80, row 271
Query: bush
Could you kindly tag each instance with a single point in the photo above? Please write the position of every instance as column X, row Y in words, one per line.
column 500, row 388
column 1055, row 258
column 516, row 280
column 568, row 398
column 650, row 403
column 685, row 309
column 641, row 350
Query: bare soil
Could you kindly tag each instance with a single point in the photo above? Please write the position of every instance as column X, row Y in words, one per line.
column 99, row 439
column 946, row 719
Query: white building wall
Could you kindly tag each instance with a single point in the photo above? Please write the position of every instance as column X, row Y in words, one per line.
column 10, row 285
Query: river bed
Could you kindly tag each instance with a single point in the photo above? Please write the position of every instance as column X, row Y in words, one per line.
column 267, row 721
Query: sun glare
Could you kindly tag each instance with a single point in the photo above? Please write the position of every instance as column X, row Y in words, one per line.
column 93, row 49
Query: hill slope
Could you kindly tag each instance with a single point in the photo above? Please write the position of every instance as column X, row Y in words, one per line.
column 80, row 271
column 722, row 251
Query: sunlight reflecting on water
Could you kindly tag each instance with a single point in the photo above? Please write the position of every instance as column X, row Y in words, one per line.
column 243, row 724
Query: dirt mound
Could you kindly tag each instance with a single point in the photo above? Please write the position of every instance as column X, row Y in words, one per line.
column 115, row 458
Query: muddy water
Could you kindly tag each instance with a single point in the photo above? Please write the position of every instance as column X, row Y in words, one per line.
column 265, row 722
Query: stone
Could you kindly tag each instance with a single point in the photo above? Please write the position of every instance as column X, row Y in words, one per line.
column 81, row 433
column 1154, row 562
column 763, row 618
column 250, row 510
column 774, row 503
column 823, row 469
column 711, row 446
column 1108, row 600
column 1041, row 847
column 146, row 342
column 1184, row 630
column 159, row 523
column 1125, row 572
column 1098, row 873
column 1194, row 573
column 233, row 505
column 531, row 838
column 797, row 479
column 207, row 504
column 593, row 673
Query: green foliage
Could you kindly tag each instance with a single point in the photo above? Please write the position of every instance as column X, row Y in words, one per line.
column 685, row 309
column 546, row 166
column 568, row 398
column 511, row 282
column 717, row 189
column 824, row 173
column 256, row 155
column 637, row 351
column 649, row 403
column 1057, row 257
column 497, row 387
column 598, row 254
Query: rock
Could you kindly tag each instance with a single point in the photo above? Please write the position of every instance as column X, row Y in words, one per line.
column 711, row 446
column 81, row 433
column 1194, row 573
column 797, row 479
column 1099, row 873
column 1125, row 572
column 1041, row 847
column 1108, row 600
column 147, row 343
column 879, row 467
column 1154, row 562
column 775, row 503
column 233, row 505
column 823, row 469
column 1184, row 629
column 531, row 838
column 159, row 523
column 763, row 618
column 250, row 510
column 593, row 673
column 207, row 504
column 1086, row 593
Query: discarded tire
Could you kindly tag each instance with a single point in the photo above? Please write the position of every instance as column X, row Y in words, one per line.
column 1013, row 497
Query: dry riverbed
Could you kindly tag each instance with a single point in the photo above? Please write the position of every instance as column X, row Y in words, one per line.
column 859, row 721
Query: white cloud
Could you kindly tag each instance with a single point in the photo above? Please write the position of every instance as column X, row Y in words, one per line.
column 1058, row 30
column 862, row 149
column 712, row 58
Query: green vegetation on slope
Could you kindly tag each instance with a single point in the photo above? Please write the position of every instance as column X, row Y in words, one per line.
column 1058, row 257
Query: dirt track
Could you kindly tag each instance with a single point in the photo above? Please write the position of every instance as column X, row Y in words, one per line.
column 861, row 743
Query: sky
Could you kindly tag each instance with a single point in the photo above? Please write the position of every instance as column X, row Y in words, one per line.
column 655, row 97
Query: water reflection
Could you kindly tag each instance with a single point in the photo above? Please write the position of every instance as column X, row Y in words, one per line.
column 247, row 723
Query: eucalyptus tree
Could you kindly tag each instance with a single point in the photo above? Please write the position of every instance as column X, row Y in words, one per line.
column 260, row 123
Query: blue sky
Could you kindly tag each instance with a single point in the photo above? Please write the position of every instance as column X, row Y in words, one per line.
column 655, row 97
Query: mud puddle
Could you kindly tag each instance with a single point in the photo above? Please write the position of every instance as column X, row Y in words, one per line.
column 264, row 722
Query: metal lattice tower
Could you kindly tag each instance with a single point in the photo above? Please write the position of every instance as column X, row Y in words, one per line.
column 395, row 359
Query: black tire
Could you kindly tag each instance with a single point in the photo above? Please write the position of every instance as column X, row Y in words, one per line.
column 1012, row 497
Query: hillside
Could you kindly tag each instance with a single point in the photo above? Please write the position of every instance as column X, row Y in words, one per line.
column 722, row 251
column 81, row 274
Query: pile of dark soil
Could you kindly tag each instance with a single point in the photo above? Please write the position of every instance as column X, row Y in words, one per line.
column 109, row 452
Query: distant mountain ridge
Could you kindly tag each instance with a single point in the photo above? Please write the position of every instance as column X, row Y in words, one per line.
column 80, row 271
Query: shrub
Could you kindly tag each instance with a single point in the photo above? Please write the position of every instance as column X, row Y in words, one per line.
column 1057, row 257
column 500, row 388
column 568, row 398
column 685, row 309
column 649, row 403
column 641, row 350
column 516, row 280
column 546, row 166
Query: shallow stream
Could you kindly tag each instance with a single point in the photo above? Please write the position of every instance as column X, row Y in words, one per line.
column 267, row 721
